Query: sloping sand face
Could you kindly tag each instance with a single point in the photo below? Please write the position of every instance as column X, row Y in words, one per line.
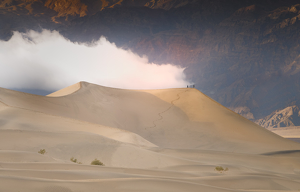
column 149, row 140
column 66, row 91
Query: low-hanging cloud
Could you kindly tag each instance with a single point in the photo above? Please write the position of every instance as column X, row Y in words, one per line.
column 48, row 61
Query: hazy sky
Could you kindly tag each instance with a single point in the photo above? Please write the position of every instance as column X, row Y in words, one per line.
column 48, row 61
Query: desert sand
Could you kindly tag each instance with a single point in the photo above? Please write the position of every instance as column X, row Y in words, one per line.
column 149, row 140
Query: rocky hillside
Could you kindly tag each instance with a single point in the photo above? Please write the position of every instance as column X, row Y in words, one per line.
column 287, row 117
column 66, row 8
column 244, row 54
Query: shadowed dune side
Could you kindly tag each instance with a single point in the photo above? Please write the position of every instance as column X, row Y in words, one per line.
column 26, row 120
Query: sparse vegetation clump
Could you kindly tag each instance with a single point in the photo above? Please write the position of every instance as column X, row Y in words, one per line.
column 97, row 162
column 74, row 160
column 221, row 169
column 42, row 151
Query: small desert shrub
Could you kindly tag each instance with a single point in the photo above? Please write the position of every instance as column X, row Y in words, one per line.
column 73, row 160
column 96, row 162
column 42, row 151
column 220, row 168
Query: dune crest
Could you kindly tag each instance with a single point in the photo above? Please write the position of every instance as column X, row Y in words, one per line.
column 66, row 91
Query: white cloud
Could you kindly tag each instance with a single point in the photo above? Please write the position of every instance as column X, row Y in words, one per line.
column 48, row 61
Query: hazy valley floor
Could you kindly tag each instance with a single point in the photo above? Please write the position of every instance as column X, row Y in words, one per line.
column 154, row 140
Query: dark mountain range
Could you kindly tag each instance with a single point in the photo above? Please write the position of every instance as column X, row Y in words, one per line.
column 244, row 54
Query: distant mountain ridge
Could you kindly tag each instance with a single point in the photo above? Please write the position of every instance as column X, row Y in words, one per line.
column 65, row 8
column 289, row 116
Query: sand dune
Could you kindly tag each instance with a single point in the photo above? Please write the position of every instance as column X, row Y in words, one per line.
column 175, row 118
column 287, row 132
column 149, row 140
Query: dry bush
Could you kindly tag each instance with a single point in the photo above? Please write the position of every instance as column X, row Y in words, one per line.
column 73, row 160
column 221, row 169
column 97, row 162
column 42, row 151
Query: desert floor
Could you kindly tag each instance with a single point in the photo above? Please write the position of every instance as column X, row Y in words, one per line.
column 149, row 140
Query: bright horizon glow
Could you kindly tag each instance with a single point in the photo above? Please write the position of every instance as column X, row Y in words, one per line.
column 48, row 61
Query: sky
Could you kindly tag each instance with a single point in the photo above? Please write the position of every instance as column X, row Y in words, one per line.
column 47, row 61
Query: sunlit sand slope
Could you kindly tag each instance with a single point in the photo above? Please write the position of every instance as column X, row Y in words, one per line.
column 66, row 91
column 170, row 140
column 216, row 127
